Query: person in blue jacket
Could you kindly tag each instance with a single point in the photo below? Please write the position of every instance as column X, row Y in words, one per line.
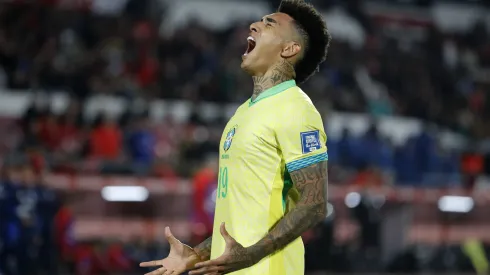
column 9, row 229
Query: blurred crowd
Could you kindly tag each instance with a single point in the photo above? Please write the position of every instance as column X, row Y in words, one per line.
column 36, row 234
column 135, row 145
column 26, row 220
column 438, row 78
column 48, row 49
column 128, row 145
column 373, row 161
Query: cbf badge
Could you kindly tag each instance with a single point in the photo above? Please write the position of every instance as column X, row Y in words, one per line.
column 229, row 138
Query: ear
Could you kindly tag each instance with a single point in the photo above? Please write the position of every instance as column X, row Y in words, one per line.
column 290, row 49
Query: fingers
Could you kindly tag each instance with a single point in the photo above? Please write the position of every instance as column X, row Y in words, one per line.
column 223, row 231
column 215, row 262
column 170, row 272
column 150, row 264
column 170, row 237
column 225, row 234
column 160, row 271
column 208, row 270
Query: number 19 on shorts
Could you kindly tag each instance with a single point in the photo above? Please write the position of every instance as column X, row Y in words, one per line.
column 223, row 182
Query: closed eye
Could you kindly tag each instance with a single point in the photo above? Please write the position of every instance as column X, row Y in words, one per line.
column 269, row 21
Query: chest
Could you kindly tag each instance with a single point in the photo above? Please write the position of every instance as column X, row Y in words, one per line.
column 248, row 134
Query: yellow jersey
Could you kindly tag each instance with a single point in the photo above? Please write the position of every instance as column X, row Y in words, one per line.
column 266, row 139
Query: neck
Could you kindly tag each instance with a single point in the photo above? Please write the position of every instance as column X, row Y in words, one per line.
column 277, row 74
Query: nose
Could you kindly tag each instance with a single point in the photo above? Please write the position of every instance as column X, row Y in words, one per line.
column 254, row 27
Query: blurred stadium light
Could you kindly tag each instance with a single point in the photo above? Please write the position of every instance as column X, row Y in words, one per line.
column 455, row 204
column 125, row 193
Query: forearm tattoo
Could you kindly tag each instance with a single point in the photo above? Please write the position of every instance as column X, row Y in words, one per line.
column 204, row 249
column 311, row 183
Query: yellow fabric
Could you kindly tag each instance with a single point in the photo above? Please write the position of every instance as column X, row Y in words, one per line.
column 259, row 142
column 476, row 252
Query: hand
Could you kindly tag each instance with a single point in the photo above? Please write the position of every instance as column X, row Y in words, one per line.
column 234, row 258
column 180, row 259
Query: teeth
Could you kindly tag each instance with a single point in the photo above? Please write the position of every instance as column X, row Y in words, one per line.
column 250, row 38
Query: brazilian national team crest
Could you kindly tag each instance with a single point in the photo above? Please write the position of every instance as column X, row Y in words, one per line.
column 229, row 138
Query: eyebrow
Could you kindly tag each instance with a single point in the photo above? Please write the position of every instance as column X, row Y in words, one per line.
column 270, row 20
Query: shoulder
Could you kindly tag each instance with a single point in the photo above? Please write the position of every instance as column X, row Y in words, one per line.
column 243, row 106
column 296, row 103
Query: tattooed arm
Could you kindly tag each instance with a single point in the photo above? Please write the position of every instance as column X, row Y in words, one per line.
column 204, row 249
column 311, row 209
column 311, row 183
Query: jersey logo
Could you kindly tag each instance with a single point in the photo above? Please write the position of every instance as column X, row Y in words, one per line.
column 229, row 138
column 310, row 141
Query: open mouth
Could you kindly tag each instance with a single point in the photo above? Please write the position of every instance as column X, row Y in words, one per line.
column 250, row 45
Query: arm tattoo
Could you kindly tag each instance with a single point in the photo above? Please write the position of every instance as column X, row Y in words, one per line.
column 283, row 71
column 311, row 182
column 204, row 249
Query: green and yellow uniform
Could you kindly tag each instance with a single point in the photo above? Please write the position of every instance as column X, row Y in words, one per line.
column 266, row 139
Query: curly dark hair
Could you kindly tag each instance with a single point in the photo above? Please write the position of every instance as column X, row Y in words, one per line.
column 310, row 25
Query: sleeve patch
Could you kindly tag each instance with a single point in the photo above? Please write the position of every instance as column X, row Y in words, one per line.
column 310, row 141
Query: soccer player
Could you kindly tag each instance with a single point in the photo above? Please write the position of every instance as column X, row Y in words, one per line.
column 273, row 158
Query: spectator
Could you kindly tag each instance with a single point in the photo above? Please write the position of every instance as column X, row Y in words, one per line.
column 105, row 140
column 117, row 259
column 28, row 247
column 64, row 239
column 9, row 229
column 50, row 132
column 350, row 150
column 377, row 150
column 141, row 143
column 47, row 207
column 407, row 169
column 204, row 183
column 84, row 260
column 70, row 132
column 369, row 177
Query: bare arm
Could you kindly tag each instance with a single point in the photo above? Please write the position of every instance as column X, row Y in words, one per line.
column 311, row 182
column 204, row 249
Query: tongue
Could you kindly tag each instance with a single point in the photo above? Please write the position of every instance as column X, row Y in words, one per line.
column 251, row 46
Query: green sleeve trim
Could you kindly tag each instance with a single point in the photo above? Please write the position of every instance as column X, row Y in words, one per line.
column 305, row 162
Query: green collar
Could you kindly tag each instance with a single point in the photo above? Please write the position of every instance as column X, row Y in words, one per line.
column 273, row 91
